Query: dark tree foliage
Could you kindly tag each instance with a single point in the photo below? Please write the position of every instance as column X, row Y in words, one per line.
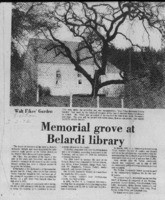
column 145, row 63
column 16, row 59
column 16, row 34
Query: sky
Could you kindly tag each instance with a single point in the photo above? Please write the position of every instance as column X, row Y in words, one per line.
column 136, row 34
column 134, row 31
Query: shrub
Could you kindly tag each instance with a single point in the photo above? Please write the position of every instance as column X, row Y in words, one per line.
column 44, row 91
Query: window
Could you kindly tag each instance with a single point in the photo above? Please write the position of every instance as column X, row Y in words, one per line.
column 79, row 81
column 58, row 78
column 79, row 75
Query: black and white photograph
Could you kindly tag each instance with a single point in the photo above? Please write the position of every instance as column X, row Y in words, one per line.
column 88, row 54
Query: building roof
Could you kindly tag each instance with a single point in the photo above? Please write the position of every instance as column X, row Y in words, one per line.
column 42, row 55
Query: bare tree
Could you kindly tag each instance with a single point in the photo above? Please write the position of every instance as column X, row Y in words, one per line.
column 97, row 26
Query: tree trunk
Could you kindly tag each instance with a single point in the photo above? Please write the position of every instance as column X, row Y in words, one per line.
column 94, row 92
column 95, row 85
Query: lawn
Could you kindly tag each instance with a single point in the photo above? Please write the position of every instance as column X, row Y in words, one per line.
column 54, row 101
column 80, row 101
column 110, row 102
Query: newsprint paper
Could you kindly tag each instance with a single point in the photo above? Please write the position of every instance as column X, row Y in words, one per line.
column 82, row 101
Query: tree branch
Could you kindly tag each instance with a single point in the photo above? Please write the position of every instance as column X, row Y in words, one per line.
column 71, row 58
column 110, row 82
column 134, row 45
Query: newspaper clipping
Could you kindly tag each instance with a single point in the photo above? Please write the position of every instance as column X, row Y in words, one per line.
column 82, row 100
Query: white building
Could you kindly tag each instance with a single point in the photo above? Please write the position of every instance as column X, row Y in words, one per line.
column 58, row 74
